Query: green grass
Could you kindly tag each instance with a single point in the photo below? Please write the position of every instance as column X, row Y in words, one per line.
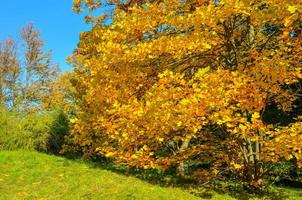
column 290, row 193
column 32, row 175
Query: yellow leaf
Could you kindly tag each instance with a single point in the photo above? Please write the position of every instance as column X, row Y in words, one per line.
column 134, row 156
column 256, row 115
column 292, row 9
column 288, row 157
column 202, row 71
column 109, row 154
column 74, row 120
column 207, row 46
column 219, row 122
column 288, row 20
column 237, row 166
column 229, row 125
column 242, row 127
column 179, row 123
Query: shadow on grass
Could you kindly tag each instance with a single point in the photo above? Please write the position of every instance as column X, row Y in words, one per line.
column 169, row 179
column 238, row 191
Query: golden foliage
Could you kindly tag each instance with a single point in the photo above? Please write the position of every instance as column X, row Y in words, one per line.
column 155, row 80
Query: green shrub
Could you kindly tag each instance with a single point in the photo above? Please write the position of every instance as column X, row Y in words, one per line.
column 287, row 173
column 36, row 131
column 59, row 128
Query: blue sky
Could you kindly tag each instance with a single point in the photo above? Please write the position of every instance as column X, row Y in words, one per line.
column 59, row 25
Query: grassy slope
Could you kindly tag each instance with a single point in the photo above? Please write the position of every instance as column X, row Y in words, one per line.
column 31, row 175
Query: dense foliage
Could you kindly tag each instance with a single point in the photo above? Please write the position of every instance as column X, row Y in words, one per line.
column 203, row 88
column 35, row 131
column 161, row 84
column 29, row 118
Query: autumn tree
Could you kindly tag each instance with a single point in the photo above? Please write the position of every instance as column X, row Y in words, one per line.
column 10, row 71
column 31, row 101
column 27, row 75
column 40, row 72
column 165, row 82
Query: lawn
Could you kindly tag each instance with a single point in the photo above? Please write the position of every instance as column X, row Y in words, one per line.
column 32, row 175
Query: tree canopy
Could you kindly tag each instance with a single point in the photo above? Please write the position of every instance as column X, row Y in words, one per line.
column 164, row 83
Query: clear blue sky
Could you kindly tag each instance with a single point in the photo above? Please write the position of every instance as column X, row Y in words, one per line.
column 59, row 25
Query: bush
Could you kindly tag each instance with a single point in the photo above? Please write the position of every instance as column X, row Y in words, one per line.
column 36, row 131
column 286, row 173
column 58, row 130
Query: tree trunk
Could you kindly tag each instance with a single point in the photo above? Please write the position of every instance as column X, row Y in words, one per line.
column 181, row 171
column 253, row 167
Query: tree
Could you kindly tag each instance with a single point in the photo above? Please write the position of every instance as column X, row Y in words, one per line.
column 40, row 72
column 10, row 71
column 30, row 114
column 156, row 84
column 26, row 81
